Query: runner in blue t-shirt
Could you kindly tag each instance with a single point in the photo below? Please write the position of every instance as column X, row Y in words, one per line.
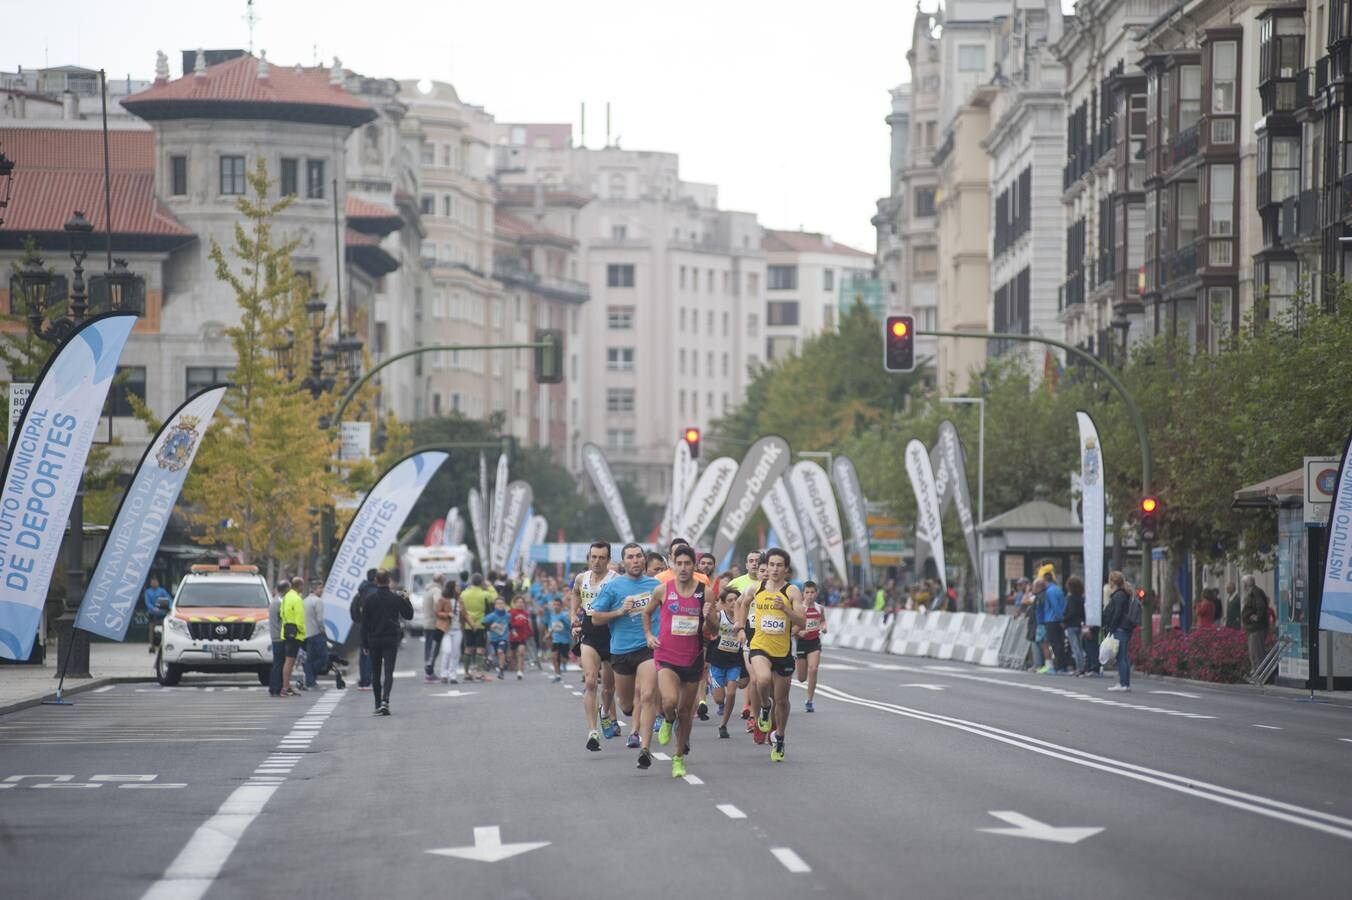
column 497, row 622
column 560, row 636
column 620, row 605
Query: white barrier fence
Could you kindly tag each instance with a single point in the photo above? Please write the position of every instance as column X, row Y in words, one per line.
column 965, row 637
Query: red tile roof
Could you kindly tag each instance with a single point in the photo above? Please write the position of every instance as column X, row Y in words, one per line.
column 60, row 170
column 807, row 242
column 372, row 218
column 357, row 239
column 233, row 90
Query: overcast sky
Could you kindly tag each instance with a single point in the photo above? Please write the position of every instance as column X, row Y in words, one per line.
column 778, row 102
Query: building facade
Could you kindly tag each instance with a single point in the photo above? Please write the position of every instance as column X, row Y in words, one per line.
column 809, row 278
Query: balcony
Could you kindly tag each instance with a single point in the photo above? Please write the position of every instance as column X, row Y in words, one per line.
column 1105, row 267
column 1181, row 264
column 1182, row 148
column 1321, row 74
column 1072, row 292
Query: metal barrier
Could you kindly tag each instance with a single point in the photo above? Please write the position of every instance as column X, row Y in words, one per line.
column 1268, row 664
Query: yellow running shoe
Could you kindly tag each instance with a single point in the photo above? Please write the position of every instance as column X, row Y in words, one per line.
column 678, row 767
column 777, row 751
column 664, row 733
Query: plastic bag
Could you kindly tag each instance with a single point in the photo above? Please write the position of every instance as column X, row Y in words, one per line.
column 1107, row 651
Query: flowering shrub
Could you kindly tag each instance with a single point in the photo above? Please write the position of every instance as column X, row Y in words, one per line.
column 1203, row 654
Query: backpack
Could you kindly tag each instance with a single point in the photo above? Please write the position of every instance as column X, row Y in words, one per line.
column 1134, row 611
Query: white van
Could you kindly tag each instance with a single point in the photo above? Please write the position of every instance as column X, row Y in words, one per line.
column 218, row 623
column 421, row 564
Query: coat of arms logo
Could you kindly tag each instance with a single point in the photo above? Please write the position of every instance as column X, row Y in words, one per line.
column 178, row 444
column 1091, row 462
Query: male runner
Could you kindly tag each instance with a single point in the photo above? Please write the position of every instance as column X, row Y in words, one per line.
column 705, row 565
column 809, row 643
column 755, row 573
column 677, row 648
column 620, row 604
column 724, row 655
column 778, row 605
column 594, row 644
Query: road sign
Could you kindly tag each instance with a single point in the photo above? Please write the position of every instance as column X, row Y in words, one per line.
column 354, row 441
column 18, row 399
column 1025, row 827
column 1321, row 476
column 488, row 846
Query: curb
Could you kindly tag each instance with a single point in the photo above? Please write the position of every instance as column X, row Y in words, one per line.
column 1339, row 698
column 36, row 699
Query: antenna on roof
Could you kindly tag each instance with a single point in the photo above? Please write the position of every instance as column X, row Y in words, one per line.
column 607, row 123
column 583, row 141
column 251, row 18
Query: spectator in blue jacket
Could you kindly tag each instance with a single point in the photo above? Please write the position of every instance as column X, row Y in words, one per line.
column 1053, row 614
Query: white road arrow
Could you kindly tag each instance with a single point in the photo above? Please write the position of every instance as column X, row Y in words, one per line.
column 928, row 687
column 454, row 694
column 1025, row 827
column 488, row 846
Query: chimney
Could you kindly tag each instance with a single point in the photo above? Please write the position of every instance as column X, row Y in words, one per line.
column 262, row 65
column 70, row 106
column 199, row 65
column 336, row 73
column 161, row 67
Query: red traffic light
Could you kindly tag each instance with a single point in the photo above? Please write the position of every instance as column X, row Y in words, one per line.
column 1149, row 504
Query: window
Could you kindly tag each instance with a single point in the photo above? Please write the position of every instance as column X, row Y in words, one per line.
column 752, row 283
column 447, row 206
column 618, row 232
column 1220, row 319
column 971, row 58
column 782, row 312
column 924, row 201
column 620, row 400
column 199, row 378
column 709, row 322
column 427, row 154
column 1223, row 56
column 682, row 318
column 427, row 205
column 709, row 364
column 232, row 175
column 130, row 381
column 619, row 318
column 620, row 438
column 781, row 278
column 752, row 325
column 1221, row 201
column 725, row 324
column 1280, row 287
column 725, row 365
column 828, row 279
column 780, row 347
column 925, row 262
column 1189, row 96
column 694, row 403
column 619, row 275
column 1285, row 167
column 682, row 278
column 178, row 175
column 314, row 179
column 620, row 359
column 710, row 282
column 694, row 321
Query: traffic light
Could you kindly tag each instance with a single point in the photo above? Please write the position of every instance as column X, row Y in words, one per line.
column 691, row 437
column 549, row 358
column 1149, row 508
column 899, row 344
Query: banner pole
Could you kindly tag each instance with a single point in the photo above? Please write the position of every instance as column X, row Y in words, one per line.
column 59, row 699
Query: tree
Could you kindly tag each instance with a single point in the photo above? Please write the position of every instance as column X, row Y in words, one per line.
column 262, row 474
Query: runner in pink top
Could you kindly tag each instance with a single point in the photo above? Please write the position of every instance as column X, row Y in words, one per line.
column 678, row 649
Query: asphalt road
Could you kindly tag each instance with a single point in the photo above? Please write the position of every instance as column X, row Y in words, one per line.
column 912, row 779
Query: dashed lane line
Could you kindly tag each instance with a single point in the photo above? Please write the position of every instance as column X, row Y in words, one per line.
column 694, row 779
column 731, row 811
column 1269, row 727
column 790, row 860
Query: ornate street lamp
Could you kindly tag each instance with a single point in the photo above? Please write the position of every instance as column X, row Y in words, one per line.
column 1121, row 326
column 284, row 354
column 7, row 173
column 316, row 382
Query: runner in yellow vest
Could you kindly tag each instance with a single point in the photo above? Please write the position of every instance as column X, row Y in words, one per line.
column 778, row 605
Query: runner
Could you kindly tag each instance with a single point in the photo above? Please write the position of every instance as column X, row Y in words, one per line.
column 777, row 605
column 593, row 644
column 705, row 566
column 619, row 604
column 560, row 624
column 521, row 631
column 809, row 643
column 677, row 649
column 498, row 623
column 726, row 669
column 756, row 572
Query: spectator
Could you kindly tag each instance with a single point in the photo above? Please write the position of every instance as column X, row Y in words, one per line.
column 1120, row 619
column 157, row 607
column 1208, row 607
column 1073, row 621
column 364, row 589
column 293, row 631
column 275, row 682
column 381, row 633
column 450, row 622
column 1253, row 614
column 1232, row 604
column 431, row 636
column 316, row 642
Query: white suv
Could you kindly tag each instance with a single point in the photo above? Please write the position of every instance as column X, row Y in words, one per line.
column 218, row 623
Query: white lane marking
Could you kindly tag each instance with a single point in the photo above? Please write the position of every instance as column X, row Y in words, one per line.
column 790, row 860
column 152, row 787
column 14, row 779
column 1346, row 740
column 838, row 667
column 488, row 846
column 1264, row 806
column 1179, row 694
column 693, row 779
column 106, row 687
column 76, row 785
column 1269, row 727
column 662, row 756
column 133, row 778
column 1026, row 827
column 731, row 811
column 928, row 687
column 197, row 864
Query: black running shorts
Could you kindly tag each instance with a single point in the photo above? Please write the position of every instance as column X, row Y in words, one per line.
column 628, row 663
column 690, row 674
column 782, row 666
column 810, row 645
column 599, row 643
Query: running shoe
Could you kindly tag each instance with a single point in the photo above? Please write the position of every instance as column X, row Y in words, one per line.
column 678, row 767
column 519, row 676
column 758, row 736
column 430, row 679
column 645, row 759
column 633, row 741
column 1043, row 670
column 746, row 711
column 763, row 721
column 723, row 731
column 720, row 710
column 807, row 707
column 501, row 675
column 664, row 733
column 750, row 727
column 609, row 728
column 702, row 711
column 685, row 751
column 657, row 724
column 777, row 751
column 594, row 741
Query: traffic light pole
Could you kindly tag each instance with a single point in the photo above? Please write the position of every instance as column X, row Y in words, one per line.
column 1132, row 410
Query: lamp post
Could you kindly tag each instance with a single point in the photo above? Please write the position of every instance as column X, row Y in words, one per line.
column 122, row 290
column 1121, row 327
column 7, row 173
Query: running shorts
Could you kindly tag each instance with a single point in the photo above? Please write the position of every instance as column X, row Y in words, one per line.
column 291, row 647
column 812, row 645
column 782, row 666
column 561, row 652
column 690, row 674
column 515, row 644
column 474, row 637
column 499, row 646
column 628, row 663
column 722, row 676
column 599, row 643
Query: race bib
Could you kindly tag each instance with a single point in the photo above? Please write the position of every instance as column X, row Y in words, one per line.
column 684, row 626
column 728, row 644
column 558, row 627
column 640, row 603
column 771, row 625
column 587, row 608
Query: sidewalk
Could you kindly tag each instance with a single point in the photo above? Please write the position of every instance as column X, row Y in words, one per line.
column 22, row 686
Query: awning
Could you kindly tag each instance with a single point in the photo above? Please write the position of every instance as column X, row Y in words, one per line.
column 1266, row 494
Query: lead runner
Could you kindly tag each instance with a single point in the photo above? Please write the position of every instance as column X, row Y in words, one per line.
column 777, row 604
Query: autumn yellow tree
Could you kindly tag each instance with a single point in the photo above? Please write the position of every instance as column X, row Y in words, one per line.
column 264, row 472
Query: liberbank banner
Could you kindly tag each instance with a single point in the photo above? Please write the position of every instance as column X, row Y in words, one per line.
column 142, row 517
column 598, row 467
column 765, row 461
column 42, row 472
column 375, row 526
